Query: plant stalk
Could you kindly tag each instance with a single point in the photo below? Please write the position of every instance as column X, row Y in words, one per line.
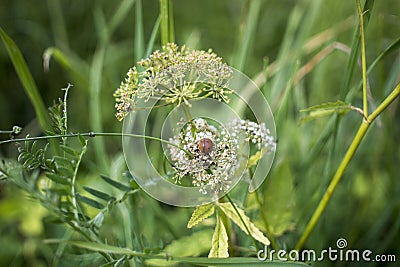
column 343, row 165
column 363, row 59
column 167, row 22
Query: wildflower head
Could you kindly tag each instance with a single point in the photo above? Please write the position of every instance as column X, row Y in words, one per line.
column 213, row 160
column 172, row 75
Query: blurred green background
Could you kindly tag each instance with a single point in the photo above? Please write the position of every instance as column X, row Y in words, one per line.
column 269, row 41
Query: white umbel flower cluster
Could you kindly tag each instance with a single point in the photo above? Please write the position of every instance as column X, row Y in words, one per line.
column 174, row 75
column 210, row 156
column 213, row 158
column 255, row 133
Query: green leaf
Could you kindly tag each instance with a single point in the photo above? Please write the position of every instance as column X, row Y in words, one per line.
column 231, row 213
column 57, row 178
column 185, row 247
column 69, row 150
column 26, row 79
column 90, row 202
column 82, row 140
column 99, row 194
column 201, row 213
column 66, row 172
column 279, row 214
column 115, row 183
column 326, row 109
column 219, row 243
column 153, row 36
column 61, row 161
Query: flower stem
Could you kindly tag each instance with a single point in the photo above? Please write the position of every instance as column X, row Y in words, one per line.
column 73, row 182
column 343, row 165
column 266, row 225
column 241, row 219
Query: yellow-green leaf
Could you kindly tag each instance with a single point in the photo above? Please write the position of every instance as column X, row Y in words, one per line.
column 201, row 213
column 185, row 247
column 254, row 159
column 231, row 213
column 219, row 243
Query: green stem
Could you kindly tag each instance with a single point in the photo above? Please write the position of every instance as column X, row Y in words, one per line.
column 65, row 113
column 73, row 187
column 363, row 59
column 264, row 217
column 93, row 134
column 266, row 225
column 241, row 219
column 343, row 165
column 167, row 22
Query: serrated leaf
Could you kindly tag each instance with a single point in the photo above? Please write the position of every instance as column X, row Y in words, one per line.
column 200, row 214
column 325, row 109
column 99, row 194
column 115, row 183
column 231, row 213
column 219, row 243
column 57, row 178
column 90, row 202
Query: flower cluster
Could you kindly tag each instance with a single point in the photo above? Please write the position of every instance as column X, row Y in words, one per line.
column 255, row 133
column 173, row 75
column 212, row 158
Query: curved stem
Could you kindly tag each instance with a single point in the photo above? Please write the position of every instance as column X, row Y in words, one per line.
column 73, row 182
column 241, row 219
column 343, row 165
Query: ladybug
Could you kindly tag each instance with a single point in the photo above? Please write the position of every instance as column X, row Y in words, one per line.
column 205, row 145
